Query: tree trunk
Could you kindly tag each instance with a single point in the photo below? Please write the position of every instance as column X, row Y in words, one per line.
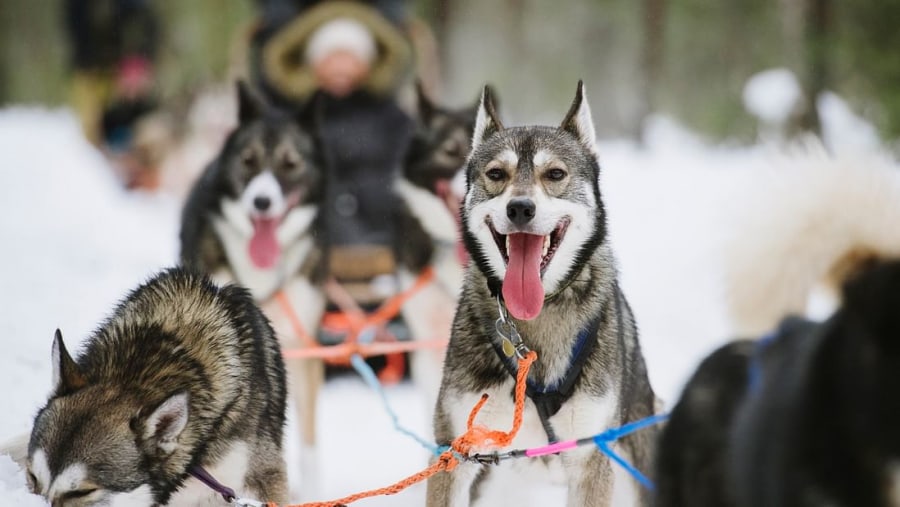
column 818, row 31
column 654, row 22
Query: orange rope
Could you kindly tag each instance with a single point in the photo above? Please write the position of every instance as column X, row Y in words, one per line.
column 342, row 350
column 350, row 324
column 344, row 321
column 475, row 436
column 305, row 338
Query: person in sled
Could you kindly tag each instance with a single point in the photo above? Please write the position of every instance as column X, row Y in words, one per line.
column 354, row 58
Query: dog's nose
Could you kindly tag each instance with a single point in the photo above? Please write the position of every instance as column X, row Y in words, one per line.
column 262, row 203
column 520, row 210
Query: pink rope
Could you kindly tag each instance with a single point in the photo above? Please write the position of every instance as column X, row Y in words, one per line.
column 551, row 449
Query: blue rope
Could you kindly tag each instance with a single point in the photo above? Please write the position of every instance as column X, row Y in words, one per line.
column 755, row 370
column 368, row 375
column 609, row 436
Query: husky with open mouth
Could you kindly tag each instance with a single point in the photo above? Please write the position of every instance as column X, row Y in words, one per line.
column 252, row 219
column 535, row 227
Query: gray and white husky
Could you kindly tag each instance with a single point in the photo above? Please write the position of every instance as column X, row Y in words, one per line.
column 535, row 227
column 184, row 376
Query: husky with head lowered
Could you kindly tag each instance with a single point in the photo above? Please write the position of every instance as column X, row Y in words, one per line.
column 535, row 227
column 185, row 377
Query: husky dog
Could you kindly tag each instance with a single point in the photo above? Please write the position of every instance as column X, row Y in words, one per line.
column 250, row 215
column 184, row 376
column 807, row 417
column 535, row 227
column 252, row 219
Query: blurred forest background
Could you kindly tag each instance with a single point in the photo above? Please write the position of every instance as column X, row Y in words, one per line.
column 686, row 58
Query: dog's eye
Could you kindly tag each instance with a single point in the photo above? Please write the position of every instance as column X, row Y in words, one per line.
column 555, row 174
column 290, row 164
column 249, row 159
column 78, row 493
column 452, row 148
column 495, row 174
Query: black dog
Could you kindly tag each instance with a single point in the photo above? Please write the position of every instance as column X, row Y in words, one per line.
column 809, row 417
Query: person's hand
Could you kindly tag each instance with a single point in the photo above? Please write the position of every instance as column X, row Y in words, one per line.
column 340, row 72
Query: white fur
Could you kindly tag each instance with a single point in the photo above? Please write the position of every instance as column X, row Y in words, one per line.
column 584, row 124
column 542, row 157
column 69, row 479
column 804, row 215
column 41, row 470
column 55, row 361
column 458, row 184
column 138, row 497
column 264, row 184
column 429, row 209
column 581, row 416
column 176, row 410
column 549, row 212
column 482, row 122
column 234, row 229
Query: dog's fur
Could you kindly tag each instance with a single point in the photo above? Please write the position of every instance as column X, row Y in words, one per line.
column 557, row 170
column 272, row 156
column 812, row 222
column 819, row 424
column 437, row 153
column 183, row 374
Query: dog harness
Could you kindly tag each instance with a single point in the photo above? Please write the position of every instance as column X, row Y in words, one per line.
column 548, row 399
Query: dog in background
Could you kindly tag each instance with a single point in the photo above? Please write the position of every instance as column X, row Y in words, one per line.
column 806, row 417
column 184, row 375
column 251, row 218
column 437, row 154
column 535, row 227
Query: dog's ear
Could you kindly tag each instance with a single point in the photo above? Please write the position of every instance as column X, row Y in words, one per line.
column 424, row 105
column 486, row 121
column 250, row 107
column 67, row 378
column 578, row 120
column 163, row 426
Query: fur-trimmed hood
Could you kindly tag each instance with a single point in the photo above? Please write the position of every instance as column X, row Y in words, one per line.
column 282, row 56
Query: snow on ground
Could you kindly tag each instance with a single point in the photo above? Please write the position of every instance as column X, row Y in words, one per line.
column 75, row 243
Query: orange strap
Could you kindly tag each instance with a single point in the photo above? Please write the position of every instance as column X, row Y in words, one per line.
column 343, row 322
column 344, row 350
column 475, row 436
column 305, row 338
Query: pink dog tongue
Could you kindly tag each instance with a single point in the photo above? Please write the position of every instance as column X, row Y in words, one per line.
column 522, row 287
column 264, row 249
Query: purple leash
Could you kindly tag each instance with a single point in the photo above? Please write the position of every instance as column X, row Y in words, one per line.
column 203, row 476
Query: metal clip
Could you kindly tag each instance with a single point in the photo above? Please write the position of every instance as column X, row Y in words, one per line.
column 246, row 502
column 493, row 458
column 511, row 340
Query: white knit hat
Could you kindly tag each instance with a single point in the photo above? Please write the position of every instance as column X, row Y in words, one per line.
column 341, row 34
